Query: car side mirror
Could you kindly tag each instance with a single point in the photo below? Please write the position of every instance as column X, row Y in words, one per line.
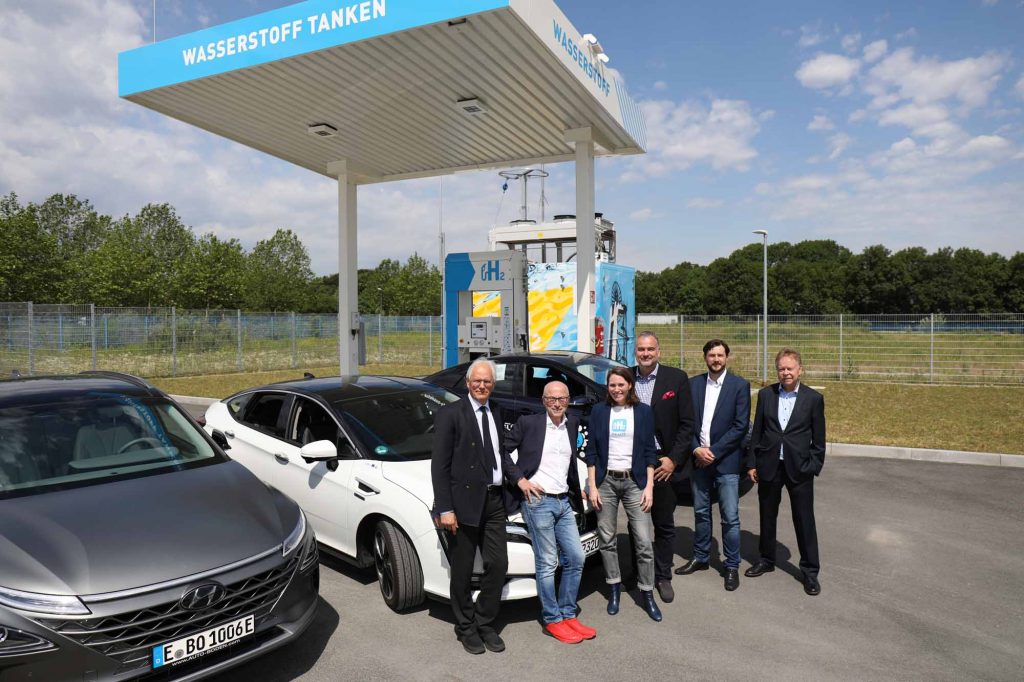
column 220, row 439
column 318, row 451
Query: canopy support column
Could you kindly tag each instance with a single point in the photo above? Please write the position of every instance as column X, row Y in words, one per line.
column 583, row 140
column 348, row 271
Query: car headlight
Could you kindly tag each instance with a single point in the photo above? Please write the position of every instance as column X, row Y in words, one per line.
column 17, row 643
column 295, row 537
column 312, row 556
column 55, row 604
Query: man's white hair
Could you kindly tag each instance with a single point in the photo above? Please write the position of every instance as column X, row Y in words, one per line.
column 482, row 361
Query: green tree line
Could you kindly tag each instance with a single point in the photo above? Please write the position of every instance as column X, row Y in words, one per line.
column 63, row 251
column 821, row 277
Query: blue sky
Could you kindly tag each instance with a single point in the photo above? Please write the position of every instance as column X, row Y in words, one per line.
column 900, row 123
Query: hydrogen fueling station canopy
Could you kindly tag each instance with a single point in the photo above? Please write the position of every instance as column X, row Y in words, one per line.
column 385, row 90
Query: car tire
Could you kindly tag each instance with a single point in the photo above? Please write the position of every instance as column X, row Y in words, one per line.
column 397, row 566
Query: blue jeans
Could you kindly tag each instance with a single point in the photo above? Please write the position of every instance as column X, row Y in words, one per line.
column 552, row 527
column 703, row 480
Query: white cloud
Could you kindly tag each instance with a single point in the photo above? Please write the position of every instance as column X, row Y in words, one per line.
column 681, row 135
column 826, row 71
column 989, row 3
column 641, row 215
column 874, row 51
column 704, row 203
column 660, row 86
column 821, row 122
column 837, row 144
column 857, row 116
column 811, row 35
column 850, row 41
column 909, row 34
column 1020, row 87
column 914, row 115
column 926, row 80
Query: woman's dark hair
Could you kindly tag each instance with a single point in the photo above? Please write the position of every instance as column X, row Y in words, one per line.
column 627, row 374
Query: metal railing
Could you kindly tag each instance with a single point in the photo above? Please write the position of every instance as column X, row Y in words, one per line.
column 58, row 339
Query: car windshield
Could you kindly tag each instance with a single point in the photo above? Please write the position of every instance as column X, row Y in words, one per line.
column 93, row 440
column 594, row 367
column 395, row 426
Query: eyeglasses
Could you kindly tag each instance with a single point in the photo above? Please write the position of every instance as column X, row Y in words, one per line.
column 480, row 382
column 564, row 399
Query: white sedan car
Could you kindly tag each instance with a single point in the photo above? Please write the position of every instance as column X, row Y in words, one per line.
column 354, row 452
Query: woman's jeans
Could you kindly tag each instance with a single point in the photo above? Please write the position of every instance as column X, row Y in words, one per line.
column 552, row 526
column 624, row 490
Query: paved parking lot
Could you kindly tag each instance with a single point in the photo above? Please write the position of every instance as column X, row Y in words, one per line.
column 922, row 579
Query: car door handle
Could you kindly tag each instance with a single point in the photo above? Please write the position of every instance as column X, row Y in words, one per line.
column 229, row 434
column 280, row 457
column 366, row 488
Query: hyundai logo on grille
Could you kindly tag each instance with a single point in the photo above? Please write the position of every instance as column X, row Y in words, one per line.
column 202, row 597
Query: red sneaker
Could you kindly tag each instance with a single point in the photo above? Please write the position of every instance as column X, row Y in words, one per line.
column 563, row 633
column 583, row 630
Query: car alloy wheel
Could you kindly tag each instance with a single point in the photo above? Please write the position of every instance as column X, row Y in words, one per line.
column 397, row 566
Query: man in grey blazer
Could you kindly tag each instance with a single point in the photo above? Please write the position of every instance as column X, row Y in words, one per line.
column 787, row 449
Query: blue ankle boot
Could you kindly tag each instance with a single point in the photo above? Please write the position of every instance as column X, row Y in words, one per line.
column 648, row 604
column 614, row 590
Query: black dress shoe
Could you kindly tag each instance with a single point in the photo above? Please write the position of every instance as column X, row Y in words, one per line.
column 472, row 643
column 811, row 585
column 760, row 567
column 649, row 605
column 665, row 591
column 732, row 579
column 692, row 566
column 492, row 641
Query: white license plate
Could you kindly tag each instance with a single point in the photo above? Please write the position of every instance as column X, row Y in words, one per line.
column 211, row 639
column 589, row 544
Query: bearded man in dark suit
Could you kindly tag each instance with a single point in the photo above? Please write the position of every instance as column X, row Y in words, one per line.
column 667, row 391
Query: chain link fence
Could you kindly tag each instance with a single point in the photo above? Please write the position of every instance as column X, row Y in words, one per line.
column 152, row 342
column 928, row 348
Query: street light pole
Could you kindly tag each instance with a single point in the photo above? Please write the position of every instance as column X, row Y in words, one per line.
column 380, row 329
column 764, row 326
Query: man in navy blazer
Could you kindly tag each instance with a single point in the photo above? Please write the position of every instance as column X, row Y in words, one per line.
column 548, row 486
column 472, row 505
column 667, row 390
column 787, row 449
column 722, row 402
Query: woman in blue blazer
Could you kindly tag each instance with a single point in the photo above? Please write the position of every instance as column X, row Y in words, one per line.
column 621, row 459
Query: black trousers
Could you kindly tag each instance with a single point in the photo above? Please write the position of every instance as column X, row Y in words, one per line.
column 801, row 500
column 663, row 515
column 489, row 537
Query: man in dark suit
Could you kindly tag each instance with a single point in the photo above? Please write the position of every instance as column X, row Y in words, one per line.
column 548, row 482
column 667, row 391
column 722, row 403
column 471, row 504
column 787, row 448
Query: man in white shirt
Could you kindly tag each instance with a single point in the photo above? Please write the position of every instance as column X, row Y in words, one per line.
column 547, row 476
column 722, row 402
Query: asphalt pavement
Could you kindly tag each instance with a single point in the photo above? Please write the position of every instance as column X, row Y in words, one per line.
column 922, row 579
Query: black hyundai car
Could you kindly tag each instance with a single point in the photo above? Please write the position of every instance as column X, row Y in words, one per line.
column 131, row 545
column 520, row 381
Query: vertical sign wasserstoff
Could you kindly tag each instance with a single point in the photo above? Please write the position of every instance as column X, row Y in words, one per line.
column 278, row 34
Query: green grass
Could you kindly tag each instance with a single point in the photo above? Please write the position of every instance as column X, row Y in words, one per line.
column 980, row 419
